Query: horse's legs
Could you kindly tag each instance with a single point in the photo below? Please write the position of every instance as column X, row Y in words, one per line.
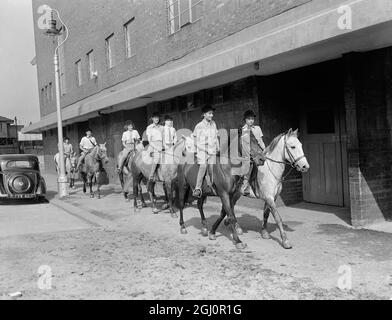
column 151, row 192
column 144, row 205
column 99, row 191
column 264, row 231
column 215, row 226
column 227, row 206
column 90, row 181
column 200, row 203
column 166, row 205
column 169, row 196
column 271, row 204
column 182, row 188
column 234, row 200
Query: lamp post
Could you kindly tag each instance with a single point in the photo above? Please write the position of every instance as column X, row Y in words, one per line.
column 53, row 31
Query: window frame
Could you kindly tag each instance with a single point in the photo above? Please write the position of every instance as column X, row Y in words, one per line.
column 109, row 51
column 79, row 73
column 129, row 44
column 90, row 64
column 170, row 18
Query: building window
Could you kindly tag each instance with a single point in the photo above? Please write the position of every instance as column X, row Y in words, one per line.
column 91, row 64
column 78, row 65
column 183, row 12
column 129, row 38
column 109, row 51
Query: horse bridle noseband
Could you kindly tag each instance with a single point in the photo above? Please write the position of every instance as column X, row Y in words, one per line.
column 292, row 163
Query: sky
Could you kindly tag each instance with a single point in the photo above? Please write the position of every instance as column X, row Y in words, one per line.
column 18, row 78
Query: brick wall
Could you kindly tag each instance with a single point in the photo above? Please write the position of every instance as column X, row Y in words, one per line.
column 369, row 100
column 91, row 21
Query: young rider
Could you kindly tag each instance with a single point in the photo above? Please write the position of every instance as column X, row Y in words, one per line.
column 248, row 129
column 87, row 144
column 207, row 145
column 155, row 143
column 68, row 150
column 129, row 140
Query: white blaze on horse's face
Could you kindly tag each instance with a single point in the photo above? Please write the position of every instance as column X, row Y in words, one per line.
column 295, row 148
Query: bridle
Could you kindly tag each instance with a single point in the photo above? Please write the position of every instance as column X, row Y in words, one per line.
column 292, row 162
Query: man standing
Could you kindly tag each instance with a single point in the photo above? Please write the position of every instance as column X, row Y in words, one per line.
column 207, row 146
column 87, row 144
column 155, row 143
column 247, row 130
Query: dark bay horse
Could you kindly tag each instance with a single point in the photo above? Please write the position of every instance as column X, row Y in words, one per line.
column 92, row 166
column 285, row 149
column 224, row 184
column 166, row 173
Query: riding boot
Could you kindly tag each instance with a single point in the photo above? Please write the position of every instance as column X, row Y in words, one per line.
column 245, row 183
column 197, row 193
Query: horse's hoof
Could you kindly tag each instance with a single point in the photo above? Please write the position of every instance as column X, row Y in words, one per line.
column 127, row 200
column 239, row 231
column 155, row 211
column 204, row 232
column 286, row 244
column 165, row 206
column 212, row 237
column 184, row 231
column 174, row 215
column 265, row 235
column 144, row 205
column 240, row 245
column 91, row 196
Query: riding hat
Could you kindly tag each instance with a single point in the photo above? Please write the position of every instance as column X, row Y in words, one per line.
column 249, row 114
column 168, row 117
column 207, row 108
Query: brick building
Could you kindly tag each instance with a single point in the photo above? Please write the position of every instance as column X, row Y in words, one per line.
column 323, row 66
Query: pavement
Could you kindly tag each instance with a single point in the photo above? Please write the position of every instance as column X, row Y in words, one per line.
column 325, row 249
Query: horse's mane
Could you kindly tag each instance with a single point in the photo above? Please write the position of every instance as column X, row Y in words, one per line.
column 271, row 147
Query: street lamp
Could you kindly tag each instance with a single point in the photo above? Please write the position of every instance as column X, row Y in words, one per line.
column 53, row 31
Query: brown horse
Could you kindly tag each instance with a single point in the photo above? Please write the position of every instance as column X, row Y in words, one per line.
column 125, row 176
column 224, row 184
column 166, row 173
column 92, row 166
column 285, row 149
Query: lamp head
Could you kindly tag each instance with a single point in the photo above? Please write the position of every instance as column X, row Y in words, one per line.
column 52, row 30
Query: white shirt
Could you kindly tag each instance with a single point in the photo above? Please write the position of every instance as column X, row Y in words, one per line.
column 129, row 137
column 206, row 134
column 154, row 133
column 88, row 143
column 169, row 135
column 256, row 130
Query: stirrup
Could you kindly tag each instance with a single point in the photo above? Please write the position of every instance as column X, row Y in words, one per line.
column 195, row 193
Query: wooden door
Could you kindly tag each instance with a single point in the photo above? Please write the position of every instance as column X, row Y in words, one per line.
column 320, row 132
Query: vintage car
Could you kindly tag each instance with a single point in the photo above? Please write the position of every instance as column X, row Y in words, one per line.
column 20, row 177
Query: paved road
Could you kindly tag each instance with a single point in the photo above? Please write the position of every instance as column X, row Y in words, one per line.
column 21, row 218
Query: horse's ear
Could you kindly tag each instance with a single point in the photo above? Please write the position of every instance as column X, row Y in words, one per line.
column 295, row 133
column 290, row 132
column 105, row 144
